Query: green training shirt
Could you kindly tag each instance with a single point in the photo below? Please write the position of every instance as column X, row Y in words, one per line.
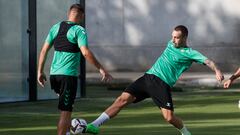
column 173, row 62
column 66, row 63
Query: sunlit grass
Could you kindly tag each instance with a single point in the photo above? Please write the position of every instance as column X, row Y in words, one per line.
column 203, row 113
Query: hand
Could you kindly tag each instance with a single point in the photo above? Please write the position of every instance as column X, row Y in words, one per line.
column 219, row 76
column 227, row 84
column 41, row 79
column 106, row 77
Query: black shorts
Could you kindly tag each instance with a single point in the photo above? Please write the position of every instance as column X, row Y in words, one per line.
column 66, row 88
column 152, row 86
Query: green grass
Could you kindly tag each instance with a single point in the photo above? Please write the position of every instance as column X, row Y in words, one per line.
column 203, row 113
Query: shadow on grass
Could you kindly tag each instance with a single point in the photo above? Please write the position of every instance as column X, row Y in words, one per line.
column 208, row 114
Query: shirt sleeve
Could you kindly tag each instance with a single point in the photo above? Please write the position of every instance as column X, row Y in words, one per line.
column 82, row 38
column 52, row 34
column 198, row 57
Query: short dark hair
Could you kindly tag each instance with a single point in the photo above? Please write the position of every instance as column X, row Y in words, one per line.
column 78, row 7
column 183, row 29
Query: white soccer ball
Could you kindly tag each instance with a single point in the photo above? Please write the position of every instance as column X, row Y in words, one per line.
column 78, row 126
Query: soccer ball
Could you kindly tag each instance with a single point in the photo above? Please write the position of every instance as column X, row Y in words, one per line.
column 78, row 126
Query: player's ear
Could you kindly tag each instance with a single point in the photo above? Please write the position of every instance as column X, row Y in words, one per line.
column 184, row 39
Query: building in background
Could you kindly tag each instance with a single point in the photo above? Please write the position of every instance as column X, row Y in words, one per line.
column 131, row 34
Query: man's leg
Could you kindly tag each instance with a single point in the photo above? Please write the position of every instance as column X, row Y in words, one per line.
column 64, row 122
column 66, row 88
column 175, row 121
column 119, row 103
column 123, row 100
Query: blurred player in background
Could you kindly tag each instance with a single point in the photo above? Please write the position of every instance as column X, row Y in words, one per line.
column 236, row 75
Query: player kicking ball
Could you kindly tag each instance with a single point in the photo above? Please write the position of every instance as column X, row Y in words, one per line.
column 158, row 81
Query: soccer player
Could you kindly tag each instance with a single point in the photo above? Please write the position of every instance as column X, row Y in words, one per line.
column 158, row 81
column 231, row 79
column 69, row 40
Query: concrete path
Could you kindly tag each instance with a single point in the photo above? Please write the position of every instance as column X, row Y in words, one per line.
column 198, row 79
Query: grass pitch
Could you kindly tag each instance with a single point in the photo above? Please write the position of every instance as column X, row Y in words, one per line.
column 207, row 113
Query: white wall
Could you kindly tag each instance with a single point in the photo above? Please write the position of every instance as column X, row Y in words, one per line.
column 131, row 34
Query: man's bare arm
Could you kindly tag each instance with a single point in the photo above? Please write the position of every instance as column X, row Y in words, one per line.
column 232, row 78
column 235, row 75
column 214, row 67
column 41, row 62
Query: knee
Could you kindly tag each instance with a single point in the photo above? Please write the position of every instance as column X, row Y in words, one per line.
column 169, row 118
column 121, row 101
